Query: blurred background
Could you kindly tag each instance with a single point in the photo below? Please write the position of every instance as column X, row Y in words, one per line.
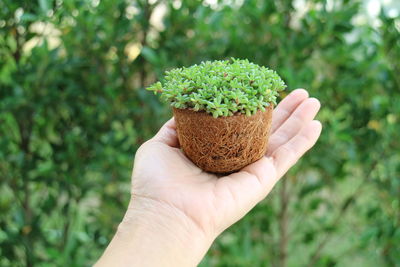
column 73, row 111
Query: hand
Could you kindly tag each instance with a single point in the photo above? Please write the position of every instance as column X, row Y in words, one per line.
column 181, row 209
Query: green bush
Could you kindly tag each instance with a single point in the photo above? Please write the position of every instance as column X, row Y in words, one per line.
column 73, row 110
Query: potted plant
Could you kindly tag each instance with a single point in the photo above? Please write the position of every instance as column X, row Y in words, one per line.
column 223, row 111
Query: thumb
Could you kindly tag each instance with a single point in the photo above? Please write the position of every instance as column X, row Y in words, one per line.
column 167, row 134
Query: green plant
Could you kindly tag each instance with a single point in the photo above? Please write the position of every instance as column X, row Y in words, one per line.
column 221, row 87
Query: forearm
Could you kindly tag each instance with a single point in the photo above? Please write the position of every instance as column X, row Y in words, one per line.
column 150, row 235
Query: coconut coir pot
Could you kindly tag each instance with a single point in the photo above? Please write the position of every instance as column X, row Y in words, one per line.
column 223, row 144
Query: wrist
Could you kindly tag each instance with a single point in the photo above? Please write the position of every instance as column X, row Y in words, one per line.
column 153, row 233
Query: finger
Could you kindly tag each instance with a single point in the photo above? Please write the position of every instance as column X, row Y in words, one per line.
column 303, row 114
column 289, row 153
column 286, row 107
column 253, row 183
column 244, row 189
column 167, row 134
column 264, row 170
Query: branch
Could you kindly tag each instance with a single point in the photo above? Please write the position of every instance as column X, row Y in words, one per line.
column 25, row 131
column 283, row 223
column 345, row 207
column 147, row 10
column 17, row 52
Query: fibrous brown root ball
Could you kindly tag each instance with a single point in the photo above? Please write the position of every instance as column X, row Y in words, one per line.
column 223, row 144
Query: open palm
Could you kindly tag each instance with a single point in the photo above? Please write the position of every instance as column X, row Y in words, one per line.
column 164, row 176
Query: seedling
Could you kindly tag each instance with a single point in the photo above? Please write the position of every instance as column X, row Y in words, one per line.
column 221, row 88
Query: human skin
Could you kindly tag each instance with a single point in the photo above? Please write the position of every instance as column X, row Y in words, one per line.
column 177, row 210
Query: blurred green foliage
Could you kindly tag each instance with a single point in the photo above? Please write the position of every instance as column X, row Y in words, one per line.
column 73, row 110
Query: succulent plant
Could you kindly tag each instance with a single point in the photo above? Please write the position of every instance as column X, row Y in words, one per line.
column 221, row 88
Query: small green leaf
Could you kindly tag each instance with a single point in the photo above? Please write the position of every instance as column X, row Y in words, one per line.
column 250, row 87
column 149, row 54
column 44, row 5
